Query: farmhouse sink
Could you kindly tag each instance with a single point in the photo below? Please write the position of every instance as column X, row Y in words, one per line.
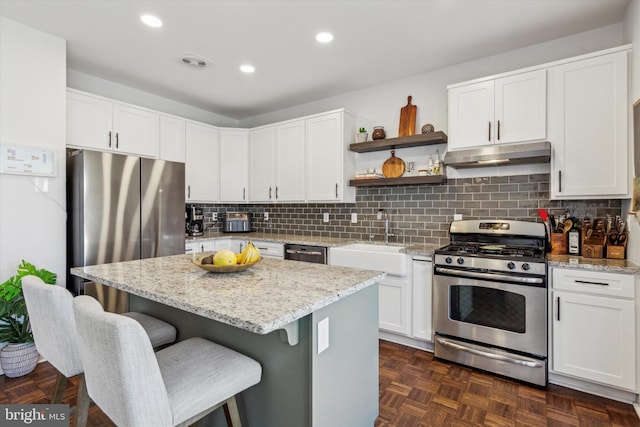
column 370, row 256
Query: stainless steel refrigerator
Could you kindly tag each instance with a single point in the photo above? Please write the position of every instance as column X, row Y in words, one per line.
column 121, row 208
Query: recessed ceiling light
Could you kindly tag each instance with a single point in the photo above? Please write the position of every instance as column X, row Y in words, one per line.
column 324, row 37
column 248, row 69
column 151, row 21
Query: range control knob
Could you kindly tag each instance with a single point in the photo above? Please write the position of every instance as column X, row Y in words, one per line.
column 526, row 266
column 460, row 260
column 448, row 260
column 511, row 265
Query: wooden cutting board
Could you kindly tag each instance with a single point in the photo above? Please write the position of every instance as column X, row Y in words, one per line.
column 407, row 119
column 393, row 167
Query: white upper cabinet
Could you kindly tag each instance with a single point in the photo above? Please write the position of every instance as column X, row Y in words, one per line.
column 262, row 164
column 276, row 162
column 329, row 162
column 173, row 133
column 202, row 163
column 290, row 162
column 502, row 110
column 101, row 124
column 234, row 165
column 588, row 128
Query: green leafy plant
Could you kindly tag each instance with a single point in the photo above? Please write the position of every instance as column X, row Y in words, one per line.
column 363, row 130
column 14, row 318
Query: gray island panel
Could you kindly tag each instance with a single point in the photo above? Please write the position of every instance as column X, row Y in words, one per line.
column 243, row 311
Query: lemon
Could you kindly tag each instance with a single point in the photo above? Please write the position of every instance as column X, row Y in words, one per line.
column 224, row 257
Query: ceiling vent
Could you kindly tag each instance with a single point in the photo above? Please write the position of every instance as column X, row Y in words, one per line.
column 194, row 61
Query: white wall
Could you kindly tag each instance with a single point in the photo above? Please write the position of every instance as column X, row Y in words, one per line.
column 32, row 112
column 380, row 105
column 631, row 27
column 108, row 89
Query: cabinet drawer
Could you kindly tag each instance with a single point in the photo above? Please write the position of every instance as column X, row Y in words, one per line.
column 270, row 249
column 594, row 282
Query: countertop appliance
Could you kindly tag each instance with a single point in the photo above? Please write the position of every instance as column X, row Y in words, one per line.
column 121, row 208
column 490, row 298
column 306, row 253
column 236, row 222
column 194, row 221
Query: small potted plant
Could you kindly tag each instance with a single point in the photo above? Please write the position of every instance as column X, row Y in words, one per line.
column 19, row 356
column 362, row 135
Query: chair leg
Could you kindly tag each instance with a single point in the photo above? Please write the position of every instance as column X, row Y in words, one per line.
column 82, row 404
column 58, row 390
column 231, row 412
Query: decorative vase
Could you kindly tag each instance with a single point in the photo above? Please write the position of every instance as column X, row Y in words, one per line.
column 362, row 136
column 18, row 359
column 378, row 132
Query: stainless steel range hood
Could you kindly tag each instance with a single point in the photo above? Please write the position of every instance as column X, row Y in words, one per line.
column 499, row 155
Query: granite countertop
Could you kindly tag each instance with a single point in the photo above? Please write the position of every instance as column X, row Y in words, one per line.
column 266, row 297
column 427, row 250
column 595, row 264
column 411, row 249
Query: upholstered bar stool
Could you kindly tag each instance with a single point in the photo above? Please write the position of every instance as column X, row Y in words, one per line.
column 176, row 386
column 50, row 310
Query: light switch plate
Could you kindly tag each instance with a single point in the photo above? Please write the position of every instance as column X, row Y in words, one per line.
column 266, row 216
column 457, row 217
column 325, row 217
column 323, row 335
column 354, row 218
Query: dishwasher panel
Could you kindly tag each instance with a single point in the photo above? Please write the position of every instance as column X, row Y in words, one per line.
column 306, row 253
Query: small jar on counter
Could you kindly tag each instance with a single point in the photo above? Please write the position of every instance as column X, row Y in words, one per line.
column 378, row 133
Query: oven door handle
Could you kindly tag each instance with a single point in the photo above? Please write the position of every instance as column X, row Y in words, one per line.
column 489, row 276
column 524, row 362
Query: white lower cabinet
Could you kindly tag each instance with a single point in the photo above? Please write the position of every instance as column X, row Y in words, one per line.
column 269, row 249
column 197, row 246
column 394, row 296
column 593, row 326
column 422, row 280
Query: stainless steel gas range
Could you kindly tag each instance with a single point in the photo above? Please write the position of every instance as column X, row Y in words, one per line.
column 490, row 298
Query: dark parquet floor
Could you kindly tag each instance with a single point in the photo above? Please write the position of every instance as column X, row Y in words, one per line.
column 416, row 390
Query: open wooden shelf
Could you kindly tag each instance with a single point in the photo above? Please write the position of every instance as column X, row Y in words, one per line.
column 400, row 142
column 403, row 180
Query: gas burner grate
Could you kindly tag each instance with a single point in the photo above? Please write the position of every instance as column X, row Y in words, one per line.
column 460, row 248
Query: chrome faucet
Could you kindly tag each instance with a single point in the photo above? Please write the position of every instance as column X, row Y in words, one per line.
column 382, row 214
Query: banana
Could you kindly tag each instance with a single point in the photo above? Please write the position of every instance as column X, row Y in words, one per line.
column 249, row 255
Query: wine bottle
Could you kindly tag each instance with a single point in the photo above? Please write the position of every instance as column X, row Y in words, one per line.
column 574, row 238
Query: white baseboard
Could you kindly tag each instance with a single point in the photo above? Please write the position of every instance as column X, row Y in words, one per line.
column 404, row 340
column 593, row 388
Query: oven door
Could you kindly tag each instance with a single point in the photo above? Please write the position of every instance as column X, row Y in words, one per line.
column 507, row 315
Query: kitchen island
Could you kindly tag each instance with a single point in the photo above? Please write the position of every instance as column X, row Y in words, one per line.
column 271, row 313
